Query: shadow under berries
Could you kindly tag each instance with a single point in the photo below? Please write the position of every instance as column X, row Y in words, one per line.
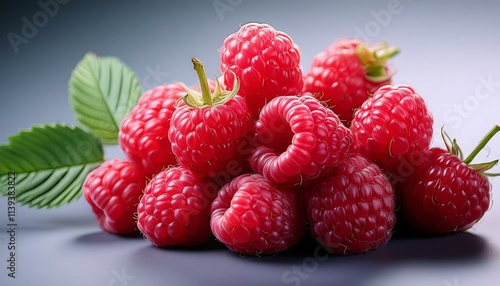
column 464, row 246
column 102, row 237
column 209, row 246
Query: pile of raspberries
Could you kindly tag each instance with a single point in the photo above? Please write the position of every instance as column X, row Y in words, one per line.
column 266, row 154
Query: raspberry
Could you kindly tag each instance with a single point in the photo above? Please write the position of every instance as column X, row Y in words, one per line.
column 298, row 139
column 113, row 190
column 175, row 208
column 206, row 133
column 346, row 73
column 253, row 216
column 266, row 61
column 446, row 193
column 352, row 211
column 144, row 131
column 392, row 128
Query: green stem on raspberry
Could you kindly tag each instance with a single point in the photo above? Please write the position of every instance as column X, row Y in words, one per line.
column 374, row 60
column 482, row 144
column 206, row 98
column 482, row 167
column 202, row 78
column 386, row 53
column 452, row 145
column 491, row 174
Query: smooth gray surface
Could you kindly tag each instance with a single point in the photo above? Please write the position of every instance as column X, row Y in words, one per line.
column 449, row 54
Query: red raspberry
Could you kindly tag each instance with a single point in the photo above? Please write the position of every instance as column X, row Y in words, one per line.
column 206, row 133
column 175, row 208
column 252, row 216
column 113, row 190
column 346, row 73
column 392, row 127
column 446, row 193
column 266, row 61
column 298, row 139
column 352, row 211
column 144, row 131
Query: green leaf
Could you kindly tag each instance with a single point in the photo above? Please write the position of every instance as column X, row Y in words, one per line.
column 102, row 90
column 46, row 165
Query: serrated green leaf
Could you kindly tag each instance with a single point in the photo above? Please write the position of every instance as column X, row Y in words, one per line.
column 102, row 90
column 50, row 163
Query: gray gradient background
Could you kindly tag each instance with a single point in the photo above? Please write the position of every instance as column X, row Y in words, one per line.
column 449, row 49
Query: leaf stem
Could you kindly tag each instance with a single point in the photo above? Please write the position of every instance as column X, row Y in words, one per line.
column 482, row 144
column 202, row 77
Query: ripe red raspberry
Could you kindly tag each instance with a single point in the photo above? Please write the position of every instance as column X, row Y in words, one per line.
column 392, row 127
column 253, row 216
column 207, row 130
column 298, row 139
column 144, row 131
column 447, row 193
column 266, row 61
column 352, row 211
column 175, row 208
column 346, row 73
column 113, row 190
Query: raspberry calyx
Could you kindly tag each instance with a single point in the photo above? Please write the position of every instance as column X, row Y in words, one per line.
column 206, row 98
column 454, row 149
column 374, row 60
column 446, row 193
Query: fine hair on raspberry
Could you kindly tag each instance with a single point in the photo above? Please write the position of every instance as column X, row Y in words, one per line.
column 299, row 139
column 391, row 127
column 352, row 211
column 113, row 190
column 175, row 208
column 143, row 134
column 266, row 62
column 253, row 216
